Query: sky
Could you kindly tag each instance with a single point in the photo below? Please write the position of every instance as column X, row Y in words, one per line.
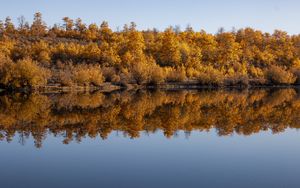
column 210, row 15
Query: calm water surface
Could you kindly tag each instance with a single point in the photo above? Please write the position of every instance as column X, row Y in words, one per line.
column 151, row 139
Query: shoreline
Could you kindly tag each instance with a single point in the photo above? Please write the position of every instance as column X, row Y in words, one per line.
column 111, row 87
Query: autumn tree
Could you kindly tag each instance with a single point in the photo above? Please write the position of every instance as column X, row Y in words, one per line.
column 133, row 46
column 38, row 27
column 92, row 32
column 169, row 52
column 228, row 51
column 238, row 57
column 23, row 26
column 9, row 26
column 68, row 23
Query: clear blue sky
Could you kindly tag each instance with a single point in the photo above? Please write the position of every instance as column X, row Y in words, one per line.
column 210, row 15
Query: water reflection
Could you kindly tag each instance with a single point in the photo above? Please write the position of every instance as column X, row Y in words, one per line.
column 77, row 115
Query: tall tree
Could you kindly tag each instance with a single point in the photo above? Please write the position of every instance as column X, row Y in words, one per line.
column 38, row 27
column 169, row 53
column 9, row 26
column 68, row 23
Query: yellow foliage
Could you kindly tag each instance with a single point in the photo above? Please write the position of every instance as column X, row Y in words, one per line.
column 296, row 63
column 87, row 75
column 6, row 47
column 277, row 75
column 40, row 52
column 210, row 76
column 227, row 112
column 169, row 54
column 256, row 72
column 24, row 73
column 150, row 56
column 175, row 74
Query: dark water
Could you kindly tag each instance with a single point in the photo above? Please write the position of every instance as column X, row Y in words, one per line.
column 151, row 139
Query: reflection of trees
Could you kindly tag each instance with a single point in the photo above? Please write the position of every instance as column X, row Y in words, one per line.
column 75, row 116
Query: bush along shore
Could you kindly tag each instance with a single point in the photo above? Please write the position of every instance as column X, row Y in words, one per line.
column 77, row 56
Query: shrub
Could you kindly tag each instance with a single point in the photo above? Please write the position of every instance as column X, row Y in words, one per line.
column 81, row 76
column 175, row 75
column 96, row 77
column 156, row 74
column 125, row 77
column 40, row 52
column 211, row 77
column 110, row 74
column 192, row 73
column 24, row 73
column 65, row 78
column 140, row 72
column 255, row 72
column 277, row 75
column 258, row 81
column 62, row 73
column 87, row 75
column 147, row 72
column 28, row 73
column 237, row 80
column 6, row 70
column 296, row 72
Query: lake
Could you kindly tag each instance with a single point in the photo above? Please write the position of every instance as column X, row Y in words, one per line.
column 196, row 138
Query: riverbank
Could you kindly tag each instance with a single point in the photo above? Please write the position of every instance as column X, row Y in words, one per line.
column 108, row 87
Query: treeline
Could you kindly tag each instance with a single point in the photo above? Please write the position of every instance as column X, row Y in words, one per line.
column 75, row 116
column 74, row 53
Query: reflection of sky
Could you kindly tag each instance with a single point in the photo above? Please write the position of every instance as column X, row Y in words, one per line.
column 202, row 160
column 209, row 15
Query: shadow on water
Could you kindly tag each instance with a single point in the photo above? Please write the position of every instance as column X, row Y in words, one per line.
column 75, row 116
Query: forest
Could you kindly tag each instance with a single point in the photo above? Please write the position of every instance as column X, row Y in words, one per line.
column 78, row 116
column 88, row 55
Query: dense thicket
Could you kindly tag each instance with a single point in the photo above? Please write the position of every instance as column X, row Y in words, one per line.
column 75, row 116
column 80, row 54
